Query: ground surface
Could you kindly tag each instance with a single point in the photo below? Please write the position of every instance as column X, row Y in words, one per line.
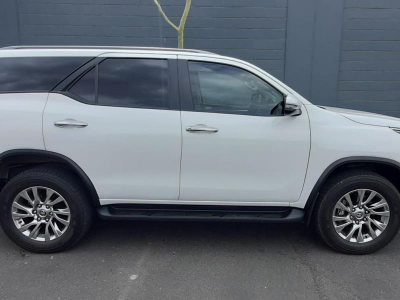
column 149, row 261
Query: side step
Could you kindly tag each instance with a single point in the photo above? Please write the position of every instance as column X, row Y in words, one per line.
column 201, row 213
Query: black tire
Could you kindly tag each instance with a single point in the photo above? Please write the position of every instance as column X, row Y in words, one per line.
column 64, row 183
column 335, row 189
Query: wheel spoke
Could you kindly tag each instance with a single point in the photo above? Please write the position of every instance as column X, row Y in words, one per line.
column 370, row 197
column 26, row 226
column 47, row 232
column 371, row 230
column 360, row 237
column 342, row 226
column 341, row 206
column 64, row 211
column 379, row 204
column 55, row 229
column 26, row 196
column 380, row 213
column 35, row 195
column 49, row 193
column 20, row 207
column 336, row 219
column 35, row 231
column 18, row 216
column 380, row 225
column 62, row 221
column 360, row 197
column 351, row 233
column 348, row 199
column 57, row 200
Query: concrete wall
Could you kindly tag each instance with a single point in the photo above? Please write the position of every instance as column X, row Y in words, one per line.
column 334, row 52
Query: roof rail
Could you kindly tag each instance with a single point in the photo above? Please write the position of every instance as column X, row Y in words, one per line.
column 107, row 48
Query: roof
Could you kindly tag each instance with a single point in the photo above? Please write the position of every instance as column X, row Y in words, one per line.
column 105, row 48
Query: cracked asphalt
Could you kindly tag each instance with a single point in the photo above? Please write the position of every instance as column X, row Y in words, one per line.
column 188, row 260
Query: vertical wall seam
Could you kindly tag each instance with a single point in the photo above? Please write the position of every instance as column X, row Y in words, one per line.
column 313, row 49
column 326, row 51
column 286, row 38
column 18, row 24
column 340, row 53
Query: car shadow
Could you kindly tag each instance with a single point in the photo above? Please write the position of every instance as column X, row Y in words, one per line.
column 222, row 235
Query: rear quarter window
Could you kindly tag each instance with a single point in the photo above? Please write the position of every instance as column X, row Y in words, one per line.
column 134, row 82
column 35, row 74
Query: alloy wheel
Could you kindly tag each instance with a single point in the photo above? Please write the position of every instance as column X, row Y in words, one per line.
column 361, row 216
column 40, row 213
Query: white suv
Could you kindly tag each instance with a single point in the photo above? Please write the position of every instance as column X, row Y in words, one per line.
column 167, row 134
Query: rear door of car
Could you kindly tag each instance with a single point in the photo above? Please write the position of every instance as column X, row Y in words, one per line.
column 120, row 122
column 25, row 81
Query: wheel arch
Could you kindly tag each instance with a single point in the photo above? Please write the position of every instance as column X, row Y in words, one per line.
column 385, row 167
column 29, row 157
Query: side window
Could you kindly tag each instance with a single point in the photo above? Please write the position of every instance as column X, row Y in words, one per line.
column 85, row 87
column 220, row 88
column 141, row 83
column 35, row 74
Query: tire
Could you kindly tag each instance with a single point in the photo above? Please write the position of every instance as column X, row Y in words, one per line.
column 351, row 182
column 46, row 180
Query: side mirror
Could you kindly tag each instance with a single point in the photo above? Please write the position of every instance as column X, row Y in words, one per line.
column 292, row 106
column 292, row 110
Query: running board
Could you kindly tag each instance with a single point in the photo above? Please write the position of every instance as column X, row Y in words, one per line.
column 201, row 213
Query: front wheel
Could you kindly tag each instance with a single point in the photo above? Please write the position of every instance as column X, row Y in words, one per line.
column 358, row 212
column 45, row 209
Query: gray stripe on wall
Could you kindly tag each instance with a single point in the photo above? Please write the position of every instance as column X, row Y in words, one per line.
column 9, row 25
column 299, row 45
column 327, row 43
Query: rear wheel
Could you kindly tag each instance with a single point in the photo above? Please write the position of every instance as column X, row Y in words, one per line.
column 45, row 209
column 358, row 212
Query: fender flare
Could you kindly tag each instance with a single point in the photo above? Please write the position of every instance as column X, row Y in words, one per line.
column 45, row 156
column 312, row 198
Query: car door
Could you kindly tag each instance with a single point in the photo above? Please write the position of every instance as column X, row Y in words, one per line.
column 120, row 122
column 238, row 147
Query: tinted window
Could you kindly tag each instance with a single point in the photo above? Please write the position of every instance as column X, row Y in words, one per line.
column 225, row 89
column 86, row 86
column 22, row 74
column 139, row 83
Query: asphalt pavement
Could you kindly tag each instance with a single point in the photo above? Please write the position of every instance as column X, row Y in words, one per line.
column 188, row 260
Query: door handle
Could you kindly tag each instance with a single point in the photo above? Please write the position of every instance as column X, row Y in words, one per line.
column 70, row 123
column 201, row 128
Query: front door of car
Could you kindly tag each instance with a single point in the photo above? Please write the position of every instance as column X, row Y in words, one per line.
column 238, row 147
column 120, row 122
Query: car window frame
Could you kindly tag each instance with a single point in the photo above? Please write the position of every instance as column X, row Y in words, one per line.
column 78, row 97
column 173, row 92
column 185, row 89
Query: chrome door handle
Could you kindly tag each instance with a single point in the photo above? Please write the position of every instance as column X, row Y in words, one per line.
column 71, row 123
column 201, row 128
